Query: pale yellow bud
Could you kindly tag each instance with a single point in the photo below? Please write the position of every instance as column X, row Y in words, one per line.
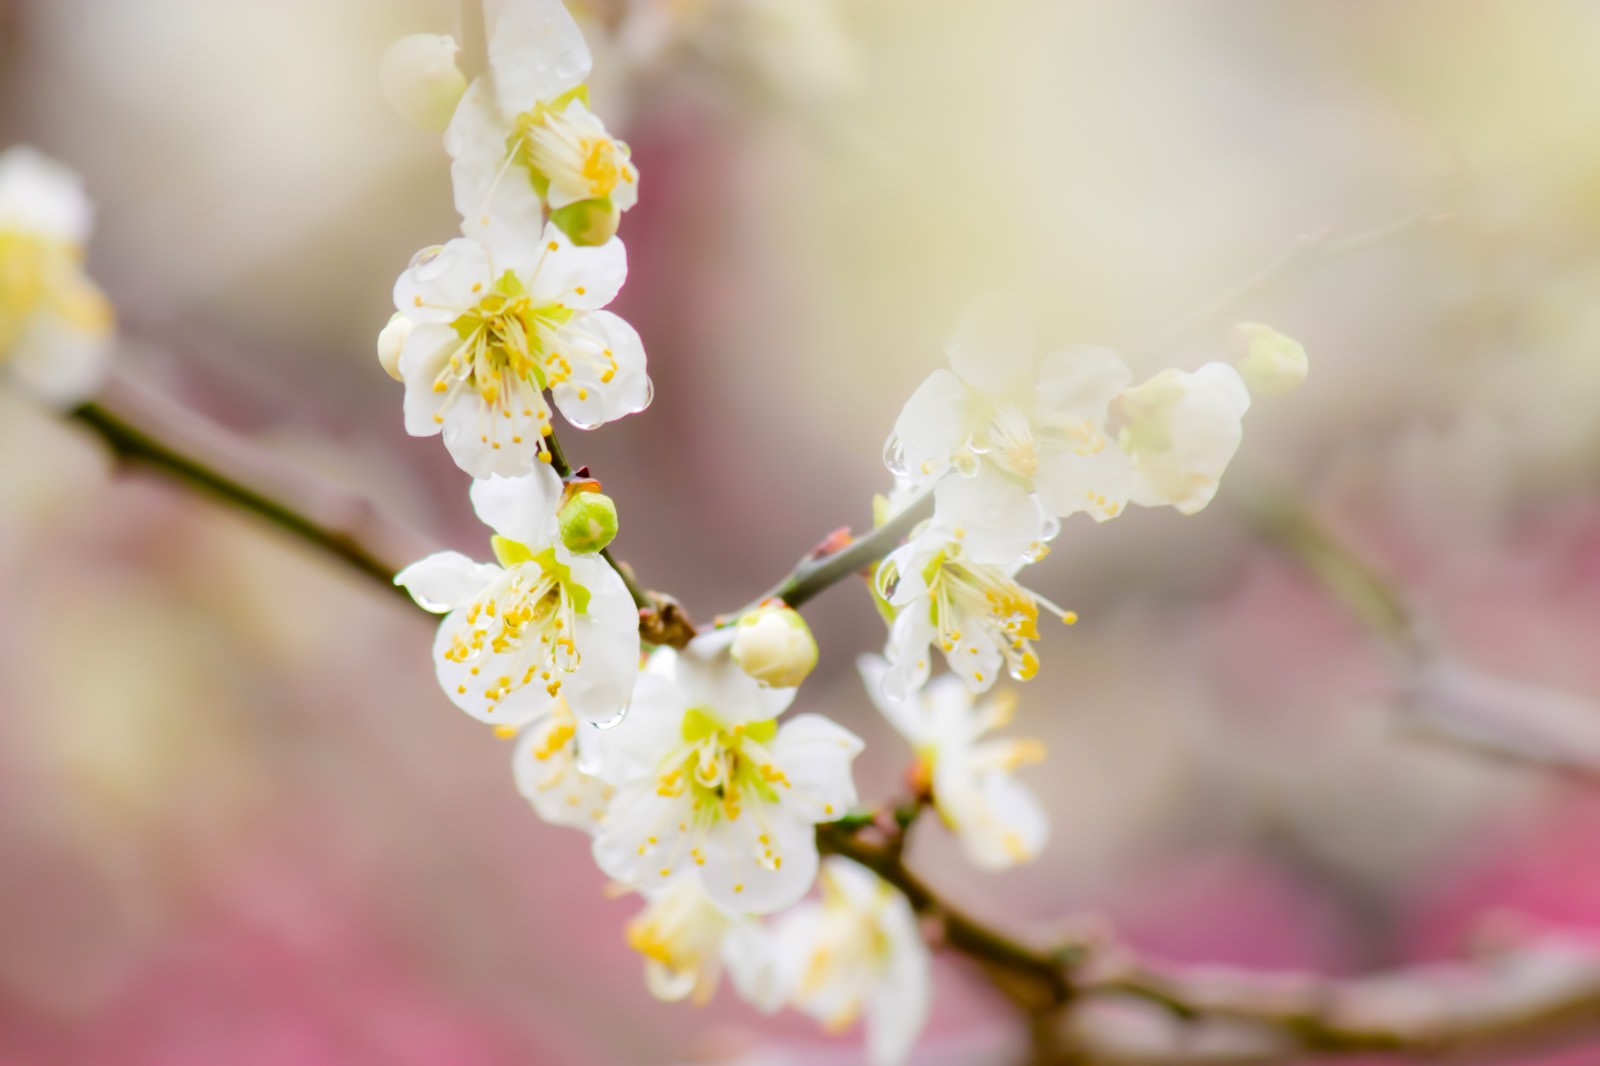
column 774, row 645
column 1272, row 364
column 421, row 81
column 392, row 341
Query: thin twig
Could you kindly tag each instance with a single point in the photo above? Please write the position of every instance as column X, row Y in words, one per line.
column 1323, row 246
column 145, row 428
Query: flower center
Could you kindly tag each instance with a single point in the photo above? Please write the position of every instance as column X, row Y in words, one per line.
column 566, row 148
column 522, row 625
column 37, row 274
column 721, row 768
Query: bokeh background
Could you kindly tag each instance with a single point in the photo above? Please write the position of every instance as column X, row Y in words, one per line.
column 238, row 822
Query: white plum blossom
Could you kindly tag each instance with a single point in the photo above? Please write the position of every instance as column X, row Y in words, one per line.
column 1180, row 432
column 55, row 325
column 523, row 137
column 709, row 782
column 689, row 941
column 550, row 772
column 1068, row 425
column 494, row 326
column 954, row 583
column 998, row 820
column 858, row 954
column 1040, row 420
column 542, row 621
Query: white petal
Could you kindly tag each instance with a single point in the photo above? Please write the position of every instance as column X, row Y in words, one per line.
column 599, row 346
column 935, row 424
column 59, row 363
column 494, row 195
column 976, row 658
column 441, row 283
column 426, row 352
column 485, row 444
column 898, row 1008
column 549, row 776
column 536, row 51
column 998, row 819
column 1197, row 437
column 734, row 874
column 905, row 714
column 523, row 508
column 631, row 751
column 1100, row 484
column 1080, row 382
column 608, row 643
column 751, row 956
column 643, row 842
column 993, row 349
column 40, row 196
column 815, row 756
column 907, row 651
column 994, row 520
column 446, row 581
column 711, row 679
column 583, row 278
column 468, row 689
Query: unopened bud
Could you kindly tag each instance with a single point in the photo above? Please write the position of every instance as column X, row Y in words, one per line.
column 588, row 222
column 421, row 81
column 588, row 522
column 392, row 341
column 774, row 645
column 1272, row 364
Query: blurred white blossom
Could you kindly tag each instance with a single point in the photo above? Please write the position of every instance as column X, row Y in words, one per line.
column 542, row 621
column 548, row 765
column 998, row 820
column 689, row 942
column 858, row 954
column 709, row 782
column 55, row 325
column 421, row 80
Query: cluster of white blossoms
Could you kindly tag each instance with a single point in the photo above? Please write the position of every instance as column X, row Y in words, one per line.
column 699, row 791
column 55, row 325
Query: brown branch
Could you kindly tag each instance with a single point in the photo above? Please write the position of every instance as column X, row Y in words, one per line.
column 1539, row 994
column 1441, row 698
column 147, row 429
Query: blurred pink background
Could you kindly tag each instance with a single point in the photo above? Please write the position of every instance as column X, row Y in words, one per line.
column 238, row 822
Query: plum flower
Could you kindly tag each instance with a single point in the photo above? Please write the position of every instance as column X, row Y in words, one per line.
column 708, row 782
column 549, row 769
column 858, row 954
column 997, row 819
column 494, row 326
column 524, row 136
column 540, row 622
column 55, row 325
column 1068, row 425
column 688, row 942
column 954, row 583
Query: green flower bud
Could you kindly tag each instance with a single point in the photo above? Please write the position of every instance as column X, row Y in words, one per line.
column 588, row 222
column 1272, row 364
column 774, row 645
column 588, row 522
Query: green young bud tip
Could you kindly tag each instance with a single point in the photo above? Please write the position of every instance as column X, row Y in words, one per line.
column 1272, row 364
column 588, row 222
column 588, row 523
column 774, row 645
